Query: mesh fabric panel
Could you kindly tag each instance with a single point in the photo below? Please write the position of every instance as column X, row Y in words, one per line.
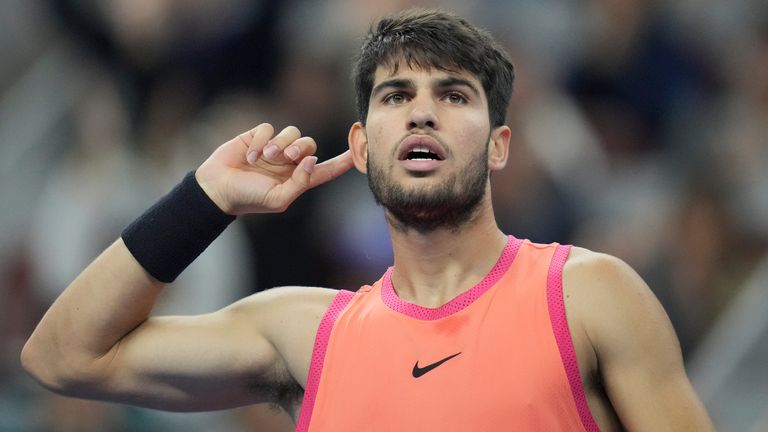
column 391, row 299
column 563, row 336
column 318, row 356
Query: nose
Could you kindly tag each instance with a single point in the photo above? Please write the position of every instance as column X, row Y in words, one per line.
column 422, row 115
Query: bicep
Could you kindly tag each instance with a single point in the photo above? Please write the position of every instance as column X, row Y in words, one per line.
column 642, row 367
column 638, row 352
column 205, row 362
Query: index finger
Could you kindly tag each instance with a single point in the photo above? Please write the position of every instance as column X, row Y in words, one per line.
column 330, row 169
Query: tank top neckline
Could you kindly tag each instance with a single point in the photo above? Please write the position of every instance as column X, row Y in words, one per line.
column 458, row 303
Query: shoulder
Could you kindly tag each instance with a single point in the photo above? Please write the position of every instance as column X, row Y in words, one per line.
column 609, row 301
column 630, row 343
column 281, row 309
column 601, row 276
column 595, row 266
column 288, row 297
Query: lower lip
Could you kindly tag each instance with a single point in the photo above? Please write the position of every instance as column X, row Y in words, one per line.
column 420, row 165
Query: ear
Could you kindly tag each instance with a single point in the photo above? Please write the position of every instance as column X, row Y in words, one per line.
column 498, row 148
column 358, row 144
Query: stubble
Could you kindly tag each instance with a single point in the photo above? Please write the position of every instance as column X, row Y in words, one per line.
column 449, row 205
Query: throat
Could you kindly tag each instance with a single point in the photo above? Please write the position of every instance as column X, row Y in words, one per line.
column 434, row 275
column 428, row 297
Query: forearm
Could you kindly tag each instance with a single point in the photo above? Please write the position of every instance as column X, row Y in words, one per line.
column 80, row 332
column 79, row 336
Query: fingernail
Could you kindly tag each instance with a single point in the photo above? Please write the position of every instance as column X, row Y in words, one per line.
column 251, row 156
column 292, row 153
column 271, row 151
column 309, row 165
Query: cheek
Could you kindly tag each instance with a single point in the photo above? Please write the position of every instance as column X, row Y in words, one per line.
column 474, row 135
column 378, row 137
column 375, row 136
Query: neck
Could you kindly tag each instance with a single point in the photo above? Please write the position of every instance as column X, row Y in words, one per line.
column 434, row 267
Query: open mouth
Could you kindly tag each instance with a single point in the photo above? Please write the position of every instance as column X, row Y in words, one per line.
column 421, row 148
column 421, row 153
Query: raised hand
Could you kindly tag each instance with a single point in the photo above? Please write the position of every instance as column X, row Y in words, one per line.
column 259, row 172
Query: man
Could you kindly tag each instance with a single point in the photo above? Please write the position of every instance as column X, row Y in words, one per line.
column 468, row 329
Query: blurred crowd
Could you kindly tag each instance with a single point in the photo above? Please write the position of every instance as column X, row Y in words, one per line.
column 640, row 129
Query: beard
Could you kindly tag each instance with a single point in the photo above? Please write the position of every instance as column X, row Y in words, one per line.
column 448, row 205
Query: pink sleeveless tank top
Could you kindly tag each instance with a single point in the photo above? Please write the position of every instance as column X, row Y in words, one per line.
column 498, row 357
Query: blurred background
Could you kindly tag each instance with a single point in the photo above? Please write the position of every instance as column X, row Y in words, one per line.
column 640, row 130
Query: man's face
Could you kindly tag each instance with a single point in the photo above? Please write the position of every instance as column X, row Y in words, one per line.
column 427, row 135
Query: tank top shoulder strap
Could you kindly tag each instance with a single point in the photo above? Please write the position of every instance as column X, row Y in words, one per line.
column 562, row 334
column 324, row 330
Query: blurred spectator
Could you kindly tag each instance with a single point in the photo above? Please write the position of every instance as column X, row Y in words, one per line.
column 740, row 144
column 636, row 76
column 639, row 129
column 214, row 45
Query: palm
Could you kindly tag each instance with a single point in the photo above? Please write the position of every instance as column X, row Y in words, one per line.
column 260, row 185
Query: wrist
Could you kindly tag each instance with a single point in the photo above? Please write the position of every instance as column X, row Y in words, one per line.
column 175, row 230
column 212, row 195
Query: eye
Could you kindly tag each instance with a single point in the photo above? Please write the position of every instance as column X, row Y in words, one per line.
column 455, row 98
column 395, row 99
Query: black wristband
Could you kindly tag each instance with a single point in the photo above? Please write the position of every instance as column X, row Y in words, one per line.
column 174, row 231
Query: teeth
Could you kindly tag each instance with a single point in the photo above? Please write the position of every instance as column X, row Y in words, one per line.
column 421, row 153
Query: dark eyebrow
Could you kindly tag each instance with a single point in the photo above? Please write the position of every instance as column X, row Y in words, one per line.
column 453, row 81
column 403, row 84
column 397, row 83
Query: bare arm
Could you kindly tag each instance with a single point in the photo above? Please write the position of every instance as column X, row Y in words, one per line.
column 97, row 340
column 637, row 351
